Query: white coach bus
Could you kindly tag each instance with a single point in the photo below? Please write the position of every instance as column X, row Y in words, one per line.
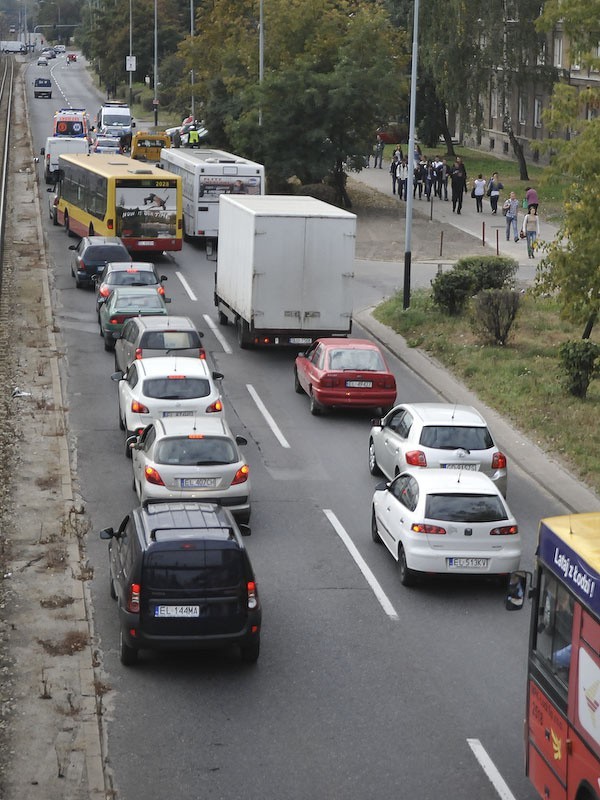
column 206, row 174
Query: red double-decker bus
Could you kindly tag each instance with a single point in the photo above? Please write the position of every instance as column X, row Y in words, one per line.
column 563, row 685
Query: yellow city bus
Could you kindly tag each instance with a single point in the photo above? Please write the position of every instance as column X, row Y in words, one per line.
column 112, row 195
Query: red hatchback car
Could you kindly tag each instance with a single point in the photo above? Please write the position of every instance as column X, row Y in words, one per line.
column 349, row 373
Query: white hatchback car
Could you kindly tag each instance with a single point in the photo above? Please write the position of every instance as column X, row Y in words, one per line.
column 183, row 459
column 166, row 388
column 442, row 435
column 438, row 521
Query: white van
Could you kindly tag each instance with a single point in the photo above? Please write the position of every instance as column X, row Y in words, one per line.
column 13, row 47
column 59, row 145
column 115, row 115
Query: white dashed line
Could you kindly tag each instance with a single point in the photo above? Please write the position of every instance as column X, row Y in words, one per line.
column 490, row 770
column 215, row 329
column 269, row 419
column 187, row 287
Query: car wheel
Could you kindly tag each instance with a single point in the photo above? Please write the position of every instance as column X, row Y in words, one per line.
column 127, row 654
column 407, row 576
column 297, row 385
column 243, row 334
column 121, row 421
column 373, row 465
column 243, row 517
column 127, row 448
column 250, row 652
column 374, row 532
column 315, row 407
column 222, row 317
column 78, row 284
column 109, row 344
column 111, row 585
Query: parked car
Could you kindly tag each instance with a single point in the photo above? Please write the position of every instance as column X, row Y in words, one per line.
column 191, row 459
column 125, row 302
column 92, row 253
column 42, row 87
column 439, row 521
column 442, row 435
column 182, row 579
column 163, row 388
column 126, row 273
column 344, row 373
column 151, row 337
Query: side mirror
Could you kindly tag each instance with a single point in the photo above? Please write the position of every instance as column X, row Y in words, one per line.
column 218, row 376
column 73, row 247
column 245, row 530
column 101, row 301
column 515, row 593
column 132, row 442
column 377, row 422
column 117, row 376
column 167, row 299
column 107, row 533
column 163, row 278
column 42, row 151
column 241, row 440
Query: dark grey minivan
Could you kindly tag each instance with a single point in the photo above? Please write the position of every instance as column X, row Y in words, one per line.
column 182, row 579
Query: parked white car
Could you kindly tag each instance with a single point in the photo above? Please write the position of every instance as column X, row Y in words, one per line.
column 441, row 521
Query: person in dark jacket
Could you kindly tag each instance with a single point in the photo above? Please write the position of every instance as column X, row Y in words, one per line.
column 458, row 178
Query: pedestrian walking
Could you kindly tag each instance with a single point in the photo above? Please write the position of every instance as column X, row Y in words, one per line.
column 511, row 206
column 478, row 192
column 458, row 180
column 531, row 230
column 379, row 152
column 419, row 179
column 532, row 200
column 402, row 175
column 493, row 191
column 445, row 174
column 394, row 173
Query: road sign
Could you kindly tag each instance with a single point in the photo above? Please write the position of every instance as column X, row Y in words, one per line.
column 130, row 63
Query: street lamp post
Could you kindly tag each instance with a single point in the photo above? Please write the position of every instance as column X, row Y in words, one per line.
column 411, row 157
column 155, row 101
column 192, row 49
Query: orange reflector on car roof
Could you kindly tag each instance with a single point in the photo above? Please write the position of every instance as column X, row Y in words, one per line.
column 132, row 269
column 176, row 377
column 196, row 436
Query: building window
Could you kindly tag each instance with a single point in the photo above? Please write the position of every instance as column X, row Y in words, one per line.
column 522, row 110
column 537, row 112
column 494, row 103
column 541, row 57
column 558, row 54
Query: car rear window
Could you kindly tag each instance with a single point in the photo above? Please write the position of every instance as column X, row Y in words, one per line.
column 169, row 340
column 135, row 301
column 43, row 82
column 196, row 452
column 366, row 360
column 464, row 508
column 176, row 389
column 101, row 253
column 451, row 437
column 188, row 569
column 125, row 278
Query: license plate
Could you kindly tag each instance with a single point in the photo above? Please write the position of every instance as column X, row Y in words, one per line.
column 300, row 340
column 177, row 611
column 472, row 467
column 198, row 483
column 467, row 563
column 145, row 244
column 177, row 414
column 359, row 384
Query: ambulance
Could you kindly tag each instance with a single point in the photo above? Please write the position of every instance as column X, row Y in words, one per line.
column 71, row 122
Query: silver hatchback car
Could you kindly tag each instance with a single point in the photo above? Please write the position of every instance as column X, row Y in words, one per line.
column 439, row 435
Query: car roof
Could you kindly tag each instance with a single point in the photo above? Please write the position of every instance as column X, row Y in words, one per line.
column 187, row 520
column 173, row 365
column 208, row 425
column 348, row 343
column 444, row 414
column 127, row 266
column 452, row 481
column 102, row 240
column 166, row 323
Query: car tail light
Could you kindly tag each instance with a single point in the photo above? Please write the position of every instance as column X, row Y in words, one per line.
column 420, row 527
column 252, row 594
column 161, row 290
column 118, row 319
column 241, row 475
column 80, row 262
column 201, row 352
column 505, row 530
column 133, row 601
column 329, row 381
column 138, row 408
column 139, row 353
column 498, row 461
column 416, row 458
column 153, row 476
column 110, row 224
column 215, row 407
column 389, row 383
column 104, row 290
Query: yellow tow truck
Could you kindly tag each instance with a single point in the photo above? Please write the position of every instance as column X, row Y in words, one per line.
column 146, row 146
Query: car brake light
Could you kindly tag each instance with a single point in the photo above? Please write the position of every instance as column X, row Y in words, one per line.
column 110, row 224
column 416, row 458
column 201, row 352
column 252, row 594
column 215, row 407
column 139, row 352
column 104, row 290
column 161, row 290
column 153, row 476
column 138, row 408
column 389, row 383
column 133, row 601
column 118, row 319
column 505, row 530
column 175, row 377
column 329, row 382
column 420, row 527
column 498, row 461
column 241, row 475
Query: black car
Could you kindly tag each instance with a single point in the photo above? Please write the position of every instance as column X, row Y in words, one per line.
column 182, row 579
column 42, row 87
column 92, row 254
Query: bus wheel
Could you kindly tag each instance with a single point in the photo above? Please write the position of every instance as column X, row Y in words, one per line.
column 68, row 230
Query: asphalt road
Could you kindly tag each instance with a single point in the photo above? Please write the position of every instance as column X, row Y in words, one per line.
column 347, row 698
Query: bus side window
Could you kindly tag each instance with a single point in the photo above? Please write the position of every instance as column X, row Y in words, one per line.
column 554, row 626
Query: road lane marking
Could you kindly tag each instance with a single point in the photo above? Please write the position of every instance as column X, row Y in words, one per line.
column 362, row 565
column 222, row 340
column 187, row 287
column 269, row 419
column 490, row 770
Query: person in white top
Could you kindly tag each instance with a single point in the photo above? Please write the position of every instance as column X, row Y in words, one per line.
column 479, row 185
column 531, row 229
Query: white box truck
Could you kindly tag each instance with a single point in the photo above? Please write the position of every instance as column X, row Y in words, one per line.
column 60, row 145
column 285, row 266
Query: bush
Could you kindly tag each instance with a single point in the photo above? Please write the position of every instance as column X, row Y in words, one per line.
column 489, row 272
column 451, row 290
column 493, row 312
column 321, row 191
column 581, row 362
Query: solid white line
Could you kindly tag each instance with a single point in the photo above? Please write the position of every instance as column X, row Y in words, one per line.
column 211, row 324
column 269, row 419
column 490, row 770
column 186, row 286
column 362, row 564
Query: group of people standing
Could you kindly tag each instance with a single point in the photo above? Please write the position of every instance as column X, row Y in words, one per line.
column 432, row 175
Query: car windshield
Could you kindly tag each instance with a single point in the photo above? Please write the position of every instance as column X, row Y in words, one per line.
column 170, row 340
column 133, row 301
column 465, row 508
column 195, row 452
column 126, row 278
column 176, row 388
column 453, row 437
column 365, row 360
column 192, row 569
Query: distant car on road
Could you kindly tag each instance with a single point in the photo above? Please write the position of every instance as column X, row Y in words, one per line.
column 42, row 61
column 42, row 87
